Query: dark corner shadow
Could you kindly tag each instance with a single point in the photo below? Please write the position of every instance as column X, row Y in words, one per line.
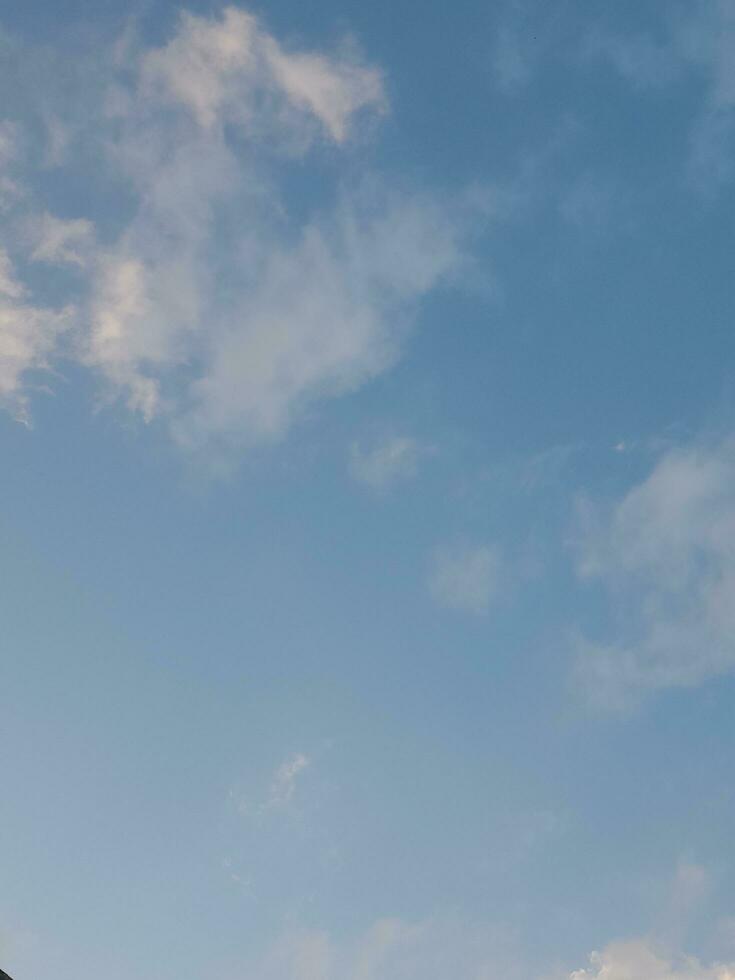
column 4, row 976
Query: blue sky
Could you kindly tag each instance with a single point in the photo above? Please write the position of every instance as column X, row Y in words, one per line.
column 368, row 525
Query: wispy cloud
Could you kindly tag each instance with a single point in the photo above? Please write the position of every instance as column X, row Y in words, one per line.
column 281, row 788
column 699, row 38
column 60, row 242
column 392, row 460
column 665, row 555
column 283, row 784
column 28, row 337
column 217, row 308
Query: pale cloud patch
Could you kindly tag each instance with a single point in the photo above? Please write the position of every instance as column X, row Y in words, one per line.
column 8, row 142
column 395, row 459
column 511, row 60
column 202, row 65
column 665, row 556
column 332, row 92
column 61, row 242
column 466, row 577
column 10, row 151
column 640, row 60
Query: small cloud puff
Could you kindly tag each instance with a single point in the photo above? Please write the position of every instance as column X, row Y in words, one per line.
column 215, row 66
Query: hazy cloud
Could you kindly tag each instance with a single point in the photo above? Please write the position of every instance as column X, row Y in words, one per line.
column 390, row 461
column 28, row 336
column 61, row 242
column 466, row 577
column 697, row 37
column 665, row 556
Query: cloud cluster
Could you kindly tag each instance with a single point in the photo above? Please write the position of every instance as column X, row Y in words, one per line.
column 637, row 961
column 224, row 304
column 665, row 554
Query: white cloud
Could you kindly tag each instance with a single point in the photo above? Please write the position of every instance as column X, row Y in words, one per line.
column 332, row 92
column 390, row 461
column 665, row 554
column 217, row 67
column 466, row 578
column 280, row 791
column 206, row 64
column 283, row 784
column 638, row 961
column 28, row 336
column 220, row 309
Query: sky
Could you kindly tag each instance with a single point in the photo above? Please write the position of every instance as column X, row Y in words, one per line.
column 367, row 415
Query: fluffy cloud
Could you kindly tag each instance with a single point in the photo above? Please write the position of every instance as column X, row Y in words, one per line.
column 638, row 961
column 223, row 307
column 466, row 578
column 390, row 461
column 665, row 554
